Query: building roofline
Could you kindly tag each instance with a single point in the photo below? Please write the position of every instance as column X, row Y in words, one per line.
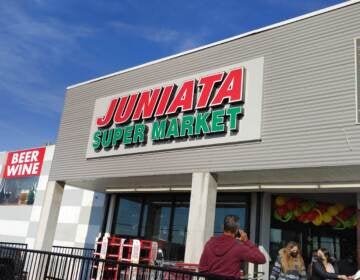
column 262, row 29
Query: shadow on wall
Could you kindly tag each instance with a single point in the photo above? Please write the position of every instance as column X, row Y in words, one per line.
column 96, row 219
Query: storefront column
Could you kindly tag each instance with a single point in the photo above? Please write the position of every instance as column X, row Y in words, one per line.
column 254, row 216
column 111, row 212
column 265, row 218
column 201, row 215
column 265, row 224
column 358, row 230
column 49, row 215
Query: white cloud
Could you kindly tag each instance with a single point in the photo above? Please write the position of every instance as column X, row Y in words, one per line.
column 177, row 40
column 158, row 35
column 30, row 49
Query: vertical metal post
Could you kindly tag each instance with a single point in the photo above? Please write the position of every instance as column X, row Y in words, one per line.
column 46, row 266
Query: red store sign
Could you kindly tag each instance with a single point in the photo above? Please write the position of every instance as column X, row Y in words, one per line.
column 24, row 163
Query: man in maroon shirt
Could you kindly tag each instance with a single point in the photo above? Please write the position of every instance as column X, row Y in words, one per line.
column 224, row 254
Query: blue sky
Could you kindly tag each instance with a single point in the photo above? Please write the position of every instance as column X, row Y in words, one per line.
column 46, row 45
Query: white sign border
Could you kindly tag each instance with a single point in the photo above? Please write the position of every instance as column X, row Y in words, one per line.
column 249, row 125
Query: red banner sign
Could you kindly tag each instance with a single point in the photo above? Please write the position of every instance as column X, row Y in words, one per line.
column 25, row 163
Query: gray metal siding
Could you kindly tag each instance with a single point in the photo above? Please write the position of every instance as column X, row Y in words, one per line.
column 357, row 54
column 308, row 116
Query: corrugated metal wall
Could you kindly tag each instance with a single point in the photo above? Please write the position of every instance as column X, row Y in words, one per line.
column 357, row 59
column 309, row 109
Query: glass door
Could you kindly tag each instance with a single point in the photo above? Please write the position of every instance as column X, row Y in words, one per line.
column 164, row 218
column 179, row 230
column 231, row 204
column 158, row 217
column 127, row 216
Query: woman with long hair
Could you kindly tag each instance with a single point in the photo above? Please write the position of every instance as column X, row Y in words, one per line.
column 289, row 264
column 324, row 268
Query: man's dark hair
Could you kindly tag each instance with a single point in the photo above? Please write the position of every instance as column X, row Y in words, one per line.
column 231, row 223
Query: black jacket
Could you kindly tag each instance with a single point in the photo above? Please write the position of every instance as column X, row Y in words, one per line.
column 319, row 272
column 347, row 266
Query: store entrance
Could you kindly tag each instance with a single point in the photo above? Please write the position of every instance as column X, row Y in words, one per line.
column 163, row 217
column 315, row 221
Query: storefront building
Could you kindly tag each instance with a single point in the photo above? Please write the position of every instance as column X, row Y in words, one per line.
column 263, row 125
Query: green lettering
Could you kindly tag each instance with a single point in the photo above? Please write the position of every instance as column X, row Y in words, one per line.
column 201, row 125
column 173, row 129
column 158, row 130
column 187, row 126
column 118, row 133
column 217, row 121
column 97, row 140
column 233, row 113
column 107, row 137
column 139, row 133
column 128, row 131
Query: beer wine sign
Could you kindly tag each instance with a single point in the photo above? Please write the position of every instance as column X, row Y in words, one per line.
column 24, row 163
column 215, row 107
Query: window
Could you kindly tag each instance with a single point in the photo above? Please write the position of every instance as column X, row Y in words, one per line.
column 159, row 217
column 128, row 216
column 181, row 214
column 18, row 190
column 179, row 230
column 230, row 204
column 164, row 218
column 156, row 219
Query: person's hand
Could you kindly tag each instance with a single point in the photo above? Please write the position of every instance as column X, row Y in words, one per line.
column 243, row 236
column 343, row 277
